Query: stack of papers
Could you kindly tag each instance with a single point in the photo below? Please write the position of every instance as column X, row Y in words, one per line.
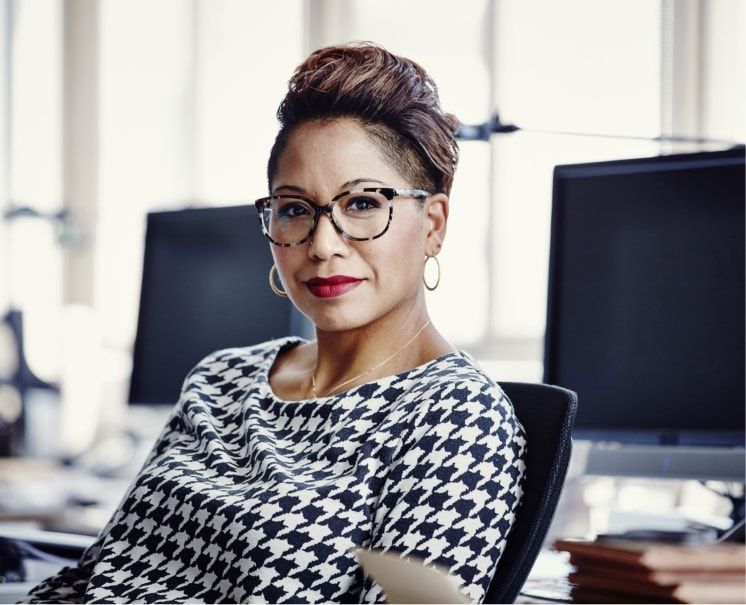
column 623, row 571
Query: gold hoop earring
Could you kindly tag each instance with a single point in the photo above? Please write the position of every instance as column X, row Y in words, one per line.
column 437, row 281
column 275, row 289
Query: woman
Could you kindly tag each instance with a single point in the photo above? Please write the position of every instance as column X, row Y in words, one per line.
column 281, row 459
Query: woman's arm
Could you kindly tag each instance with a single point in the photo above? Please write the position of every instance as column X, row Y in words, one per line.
column 451, row 496
column 70, row 583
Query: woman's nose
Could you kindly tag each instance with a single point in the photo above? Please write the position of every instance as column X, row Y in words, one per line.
column 326, row 240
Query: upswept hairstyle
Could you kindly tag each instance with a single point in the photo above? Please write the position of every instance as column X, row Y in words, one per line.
column 393, row 99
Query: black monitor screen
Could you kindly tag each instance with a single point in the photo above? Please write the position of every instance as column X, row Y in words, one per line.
column 646, row 297
column 204, row 287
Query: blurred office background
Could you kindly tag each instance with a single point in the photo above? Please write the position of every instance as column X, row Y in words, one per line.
column 110, row 109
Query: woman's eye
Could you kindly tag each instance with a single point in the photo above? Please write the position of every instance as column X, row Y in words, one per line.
column 292, row 210
column 361, row 204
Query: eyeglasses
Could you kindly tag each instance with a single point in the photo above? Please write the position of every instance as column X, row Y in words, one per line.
column 360, row 215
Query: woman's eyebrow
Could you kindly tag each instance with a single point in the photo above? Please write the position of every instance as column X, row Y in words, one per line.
column 354, row 182
column 351, row 183
column 291, row 188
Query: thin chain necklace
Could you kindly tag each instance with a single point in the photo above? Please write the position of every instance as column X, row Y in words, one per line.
column 375, row 367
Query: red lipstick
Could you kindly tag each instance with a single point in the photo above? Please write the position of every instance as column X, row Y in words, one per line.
column 336, row 285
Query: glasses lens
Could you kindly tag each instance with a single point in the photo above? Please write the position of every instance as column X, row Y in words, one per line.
column 288, row 220
column 362, row 214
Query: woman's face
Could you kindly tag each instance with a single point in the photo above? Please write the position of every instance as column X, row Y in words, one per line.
column 321, row 160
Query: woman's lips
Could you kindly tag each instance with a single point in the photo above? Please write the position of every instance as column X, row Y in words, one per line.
column 328, row 287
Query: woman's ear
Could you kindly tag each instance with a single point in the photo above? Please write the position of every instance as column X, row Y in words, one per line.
column 436, row 209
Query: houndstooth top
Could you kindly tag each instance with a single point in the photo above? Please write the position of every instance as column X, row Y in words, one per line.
column 250, row 498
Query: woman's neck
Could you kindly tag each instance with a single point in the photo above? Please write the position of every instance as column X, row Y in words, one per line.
column 390, row 345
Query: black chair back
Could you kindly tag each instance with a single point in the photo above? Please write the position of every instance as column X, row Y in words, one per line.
column 547, row 414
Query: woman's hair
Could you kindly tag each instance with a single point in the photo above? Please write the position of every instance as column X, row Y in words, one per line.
column 392, row 98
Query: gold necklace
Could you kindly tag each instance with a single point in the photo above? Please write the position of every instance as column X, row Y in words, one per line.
column 375, row 367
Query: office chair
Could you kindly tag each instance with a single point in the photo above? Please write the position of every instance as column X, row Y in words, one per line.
column 547, row 414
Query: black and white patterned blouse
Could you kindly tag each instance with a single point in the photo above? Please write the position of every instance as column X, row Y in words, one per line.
column 250, row 498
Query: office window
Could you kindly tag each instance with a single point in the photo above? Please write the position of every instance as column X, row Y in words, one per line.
column 579, row 66
column 557, row 73
column 145, row 114
column 4, row 153
column 609, row 75
column 723, row 65
column 187, row 118
column 244, row 58
column 33, row 143
column 36, row 105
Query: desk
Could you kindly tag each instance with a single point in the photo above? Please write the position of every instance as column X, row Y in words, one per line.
column 547, row 582
column 15, row 591
column 44, row 494
column 545, row 591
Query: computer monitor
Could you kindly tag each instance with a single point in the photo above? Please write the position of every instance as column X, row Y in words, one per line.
column 645, row 316
column 204, row 288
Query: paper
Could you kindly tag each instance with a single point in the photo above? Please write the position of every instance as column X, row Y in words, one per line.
column 410, row 580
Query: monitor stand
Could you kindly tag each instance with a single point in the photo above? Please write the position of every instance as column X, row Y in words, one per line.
column 664, row 461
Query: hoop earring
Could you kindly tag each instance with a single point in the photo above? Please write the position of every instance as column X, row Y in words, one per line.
column 437, row 281
column 275, row 289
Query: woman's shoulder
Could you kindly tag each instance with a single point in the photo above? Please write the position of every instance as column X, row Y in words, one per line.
column 455, row 389
column 236, row 361
column 453, row 404
column 456, row 376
